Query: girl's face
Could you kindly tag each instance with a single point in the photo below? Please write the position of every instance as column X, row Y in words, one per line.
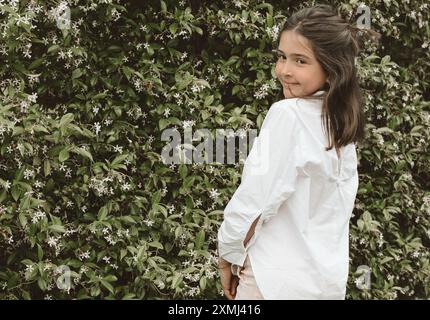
column 297, row 68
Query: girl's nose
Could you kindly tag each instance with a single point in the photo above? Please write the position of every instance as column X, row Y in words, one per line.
column 286, row 70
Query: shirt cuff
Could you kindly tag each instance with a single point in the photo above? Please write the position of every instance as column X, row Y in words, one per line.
column 232, row 253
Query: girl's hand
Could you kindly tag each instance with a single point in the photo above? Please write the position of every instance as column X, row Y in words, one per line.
column 229, row 282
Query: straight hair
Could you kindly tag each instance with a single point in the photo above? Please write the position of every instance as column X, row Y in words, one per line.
column 335, row 45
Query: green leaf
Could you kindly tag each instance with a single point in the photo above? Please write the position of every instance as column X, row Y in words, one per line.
column 99, row 96
column 22, row 219
column 42, row 284
column 3, row 195
column 25, row 203
column 127, row 71
column 16, row 193
column 163, row 6
column 39, row 252
column 156, row 244
column 173, row 28
column 183, row 170
column 53, row 48
column 76, row 73
column 176, row 280
column 209, row 100
column 103, row 212
column 108, row 286
column 46, row 167
column 64, row 154
column 202, row 283
column 57, row 228
column 82, row 152
column 200, row 239
column 110, row 278
column 17, row 131
column 129, row 296
column 66, row 119
column 39, row 128
column 119, row 159
column 163, row 123
column 198, row 30
column 36, row 63
column 128, row 219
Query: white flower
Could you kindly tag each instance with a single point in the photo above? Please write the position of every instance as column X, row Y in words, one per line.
column 148, row 222
column 38, row 184
column 273, row 32
column 52, row 241
column 188, row 123
column 214, row 194
column 32, row 78
column 7, row 185
column 126, row 186
column 97, row 127
column 28, row 174
column 262, row 92
column 32, row 97
column 84, row 255
column 117, row 148
column 197, row 88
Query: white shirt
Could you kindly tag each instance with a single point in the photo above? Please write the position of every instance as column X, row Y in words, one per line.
column 305, row 195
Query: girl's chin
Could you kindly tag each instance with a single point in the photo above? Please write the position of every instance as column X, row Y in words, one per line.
column 289, row 93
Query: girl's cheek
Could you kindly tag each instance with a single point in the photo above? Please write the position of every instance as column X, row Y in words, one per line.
column 277, row 72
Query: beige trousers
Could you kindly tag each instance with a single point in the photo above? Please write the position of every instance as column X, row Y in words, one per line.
column 247, row 288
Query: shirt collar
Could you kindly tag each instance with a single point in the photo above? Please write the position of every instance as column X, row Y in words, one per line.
column 312, row 105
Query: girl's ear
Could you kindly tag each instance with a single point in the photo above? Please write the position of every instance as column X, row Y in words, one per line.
column 326, row 85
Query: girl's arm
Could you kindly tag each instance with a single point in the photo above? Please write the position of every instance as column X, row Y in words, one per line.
column 269, row 177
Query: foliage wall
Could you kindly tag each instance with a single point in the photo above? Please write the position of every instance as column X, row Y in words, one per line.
column 83, row 187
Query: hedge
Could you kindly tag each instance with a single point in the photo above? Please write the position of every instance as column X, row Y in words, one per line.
column 84, row 191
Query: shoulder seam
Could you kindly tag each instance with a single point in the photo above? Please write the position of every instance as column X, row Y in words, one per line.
column 289, row 107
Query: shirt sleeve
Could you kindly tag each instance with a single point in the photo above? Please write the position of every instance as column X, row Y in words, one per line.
column 268, row 178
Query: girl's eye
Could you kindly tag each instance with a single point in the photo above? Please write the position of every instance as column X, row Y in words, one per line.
column 279, row 56
column 300, row 61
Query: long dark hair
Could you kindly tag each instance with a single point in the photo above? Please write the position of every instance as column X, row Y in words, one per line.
column 335, row 45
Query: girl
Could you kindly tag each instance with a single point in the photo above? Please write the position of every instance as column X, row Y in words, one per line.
column 285, row 230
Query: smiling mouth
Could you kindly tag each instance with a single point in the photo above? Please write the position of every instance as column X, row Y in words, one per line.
column 290, row 83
